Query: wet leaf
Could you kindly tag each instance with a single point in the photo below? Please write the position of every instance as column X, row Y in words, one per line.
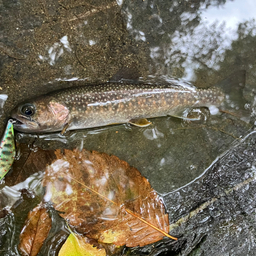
column 35, row 231
column 105, row 211
column 77, row 245
column 29, row 162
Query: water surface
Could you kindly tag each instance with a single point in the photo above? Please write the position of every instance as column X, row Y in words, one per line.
column 52, row 45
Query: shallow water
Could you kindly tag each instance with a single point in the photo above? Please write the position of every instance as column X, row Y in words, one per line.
column 48, row 45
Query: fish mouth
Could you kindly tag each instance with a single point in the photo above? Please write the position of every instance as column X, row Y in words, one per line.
column 23, row 124
column 15, row 122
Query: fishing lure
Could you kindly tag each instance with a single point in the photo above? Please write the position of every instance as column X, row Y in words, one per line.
column 7, row 150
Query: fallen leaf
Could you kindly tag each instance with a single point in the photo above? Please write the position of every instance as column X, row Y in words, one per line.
column 77, row 245
column 100, row 194
column 35, row 231
column 29, row 162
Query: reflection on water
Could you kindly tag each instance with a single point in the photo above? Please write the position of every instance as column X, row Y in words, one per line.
column 46, row 46
column 11, row 194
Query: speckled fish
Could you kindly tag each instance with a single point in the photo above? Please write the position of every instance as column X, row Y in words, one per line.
column 110, row 103
column 7, row 150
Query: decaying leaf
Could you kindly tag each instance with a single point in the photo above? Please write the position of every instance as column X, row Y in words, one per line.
column 105, row 212
column 35, row 231
column 77, row 245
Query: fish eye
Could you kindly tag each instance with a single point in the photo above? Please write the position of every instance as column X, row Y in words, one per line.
column 28, row 110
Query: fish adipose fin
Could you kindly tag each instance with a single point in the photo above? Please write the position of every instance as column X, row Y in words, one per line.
column 143, row 122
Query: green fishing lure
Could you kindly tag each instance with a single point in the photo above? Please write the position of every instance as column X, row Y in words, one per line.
column 7, row 150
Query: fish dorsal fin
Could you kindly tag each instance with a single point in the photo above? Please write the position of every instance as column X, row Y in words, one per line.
column 142, row 122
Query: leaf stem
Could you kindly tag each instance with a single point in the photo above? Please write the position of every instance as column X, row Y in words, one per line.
column 127, row 210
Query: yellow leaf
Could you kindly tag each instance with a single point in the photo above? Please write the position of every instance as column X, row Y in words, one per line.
column 110, row 236
column 76, row 245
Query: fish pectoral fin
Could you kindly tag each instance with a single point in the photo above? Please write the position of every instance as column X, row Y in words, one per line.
column 142, row 122
column 64, row 128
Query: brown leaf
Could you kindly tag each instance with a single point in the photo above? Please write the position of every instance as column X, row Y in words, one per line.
column 29, row 163
column 92, row 214
column 35, row 231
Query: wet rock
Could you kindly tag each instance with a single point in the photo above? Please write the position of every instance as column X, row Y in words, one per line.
column 219, row 207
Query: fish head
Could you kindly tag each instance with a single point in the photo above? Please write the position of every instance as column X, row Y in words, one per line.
column 41, row 115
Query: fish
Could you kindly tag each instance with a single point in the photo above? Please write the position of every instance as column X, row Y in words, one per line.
column 110, row 103
column 7, row 150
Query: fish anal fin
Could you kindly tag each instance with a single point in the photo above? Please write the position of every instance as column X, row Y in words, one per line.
column 187, row 118
column 194, row 114
column 142, row 122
